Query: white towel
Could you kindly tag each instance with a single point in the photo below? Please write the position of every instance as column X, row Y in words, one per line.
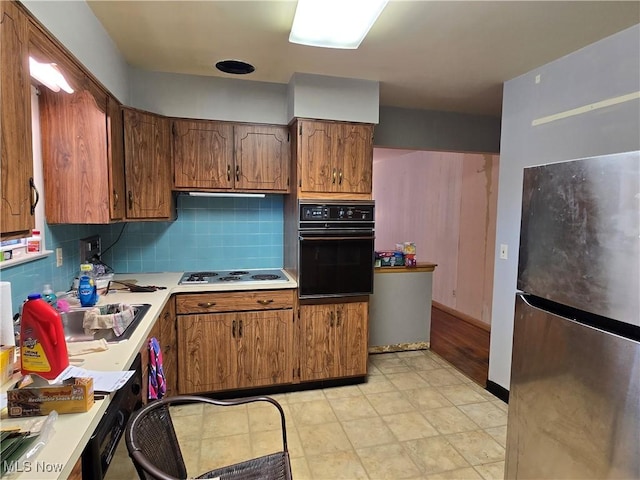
column 114, row 316
column 75, row 349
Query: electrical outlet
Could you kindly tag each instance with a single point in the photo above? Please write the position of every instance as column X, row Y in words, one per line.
column 90, row 247
column 58, row 257
column 504, row 251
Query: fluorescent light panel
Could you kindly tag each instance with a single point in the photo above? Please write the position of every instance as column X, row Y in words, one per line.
column 49, row 75
column 224, row 194
column 334, row 23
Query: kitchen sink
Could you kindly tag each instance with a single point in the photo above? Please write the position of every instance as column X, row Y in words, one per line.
column 74, row 331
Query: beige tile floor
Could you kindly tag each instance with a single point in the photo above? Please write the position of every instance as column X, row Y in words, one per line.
column 416, row 417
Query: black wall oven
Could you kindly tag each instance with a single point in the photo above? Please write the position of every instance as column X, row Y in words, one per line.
column 335, row 255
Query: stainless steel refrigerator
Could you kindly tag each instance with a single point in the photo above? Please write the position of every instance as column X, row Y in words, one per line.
column 574, row 400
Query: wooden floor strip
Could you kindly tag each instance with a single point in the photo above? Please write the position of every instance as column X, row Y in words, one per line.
column 461, row 340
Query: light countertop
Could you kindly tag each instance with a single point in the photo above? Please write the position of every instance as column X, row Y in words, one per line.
column 72, row 431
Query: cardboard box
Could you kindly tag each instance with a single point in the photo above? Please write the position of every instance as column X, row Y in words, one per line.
column 389, row 258
column 7, row 363
column 74, row 395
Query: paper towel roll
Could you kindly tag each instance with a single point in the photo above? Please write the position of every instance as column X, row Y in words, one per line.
column 6, row 315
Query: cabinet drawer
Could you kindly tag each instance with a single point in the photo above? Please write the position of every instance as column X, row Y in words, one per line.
column 234, row 301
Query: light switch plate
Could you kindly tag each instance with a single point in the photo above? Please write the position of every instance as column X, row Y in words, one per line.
column 504, row 251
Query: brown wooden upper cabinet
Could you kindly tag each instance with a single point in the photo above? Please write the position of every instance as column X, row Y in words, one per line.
column 147, row 155
column 334, row 158
column 17, row 192
column 82, row 149
column 221, row 156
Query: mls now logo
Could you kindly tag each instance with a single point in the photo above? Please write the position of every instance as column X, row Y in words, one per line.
column 27, row 466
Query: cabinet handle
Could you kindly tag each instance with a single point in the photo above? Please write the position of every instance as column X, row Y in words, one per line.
column 35, row 196
column 339, row 314
column 206, row 304
column 228, row 173
column 331, row 318
column 264, row 302
column 116, row 199
column 233, row 329
column 240, row 329
column 237, row 173
column 340, row 178
column 130, row 199
column 334, row 176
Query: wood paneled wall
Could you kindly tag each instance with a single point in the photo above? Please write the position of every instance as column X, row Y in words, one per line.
column 445, row 203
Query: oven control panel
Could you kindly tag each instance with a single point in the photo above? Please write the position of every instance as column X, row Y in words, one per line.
column 337, row 212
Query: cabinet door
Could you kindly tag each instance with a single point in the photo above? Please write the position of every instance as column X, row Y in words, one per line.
column 262, row 158
column 317, row 147
column 203, row 155
column 81, row 145
column 264, row 347
column 352, row 334
column 354, row 158
column 115, row 154
column 74, row 156
column 168, row 343
column 207, row 351
column 147, row 153
column 318, row 349
column 16, row 160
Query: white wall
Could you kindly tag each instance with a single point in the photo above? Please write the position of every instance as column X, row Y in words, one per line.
column 215, row 98
column 78, row 29
column 332, row 98
column 604, row 70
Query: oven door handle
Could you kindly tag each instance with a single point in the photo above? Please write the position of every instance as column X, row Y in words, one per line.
column 325, row 238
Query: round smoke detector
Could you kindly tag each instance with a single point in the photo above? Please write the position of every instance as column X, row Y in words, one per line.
column 235, row 67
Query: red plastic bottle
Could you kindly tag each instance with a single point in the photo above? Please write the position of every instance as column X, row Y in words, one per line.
column 43, row 349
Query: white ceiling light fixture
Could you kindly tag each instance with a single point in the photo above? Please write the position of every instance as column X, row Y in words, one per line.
column 334, row 23
column 49, row 75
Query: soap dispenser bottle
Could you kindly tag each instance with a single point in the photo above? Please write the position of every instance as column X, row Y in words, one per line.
column 87, row 291
column 49, row 297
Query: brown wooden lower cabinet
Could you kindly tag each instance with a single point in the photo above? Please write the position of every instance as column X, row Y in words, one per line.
column 76, row 473
column 225, row 351
column 242, row 340
column 334, row 340
column 164, row 331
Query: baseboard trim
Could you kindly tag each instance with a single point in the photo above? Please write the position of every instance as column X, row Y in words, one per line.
column 498, row 390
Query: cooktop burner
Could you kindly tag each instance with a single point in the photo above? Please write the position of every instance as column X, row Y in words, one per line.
column 265, row 276
column 232, row 276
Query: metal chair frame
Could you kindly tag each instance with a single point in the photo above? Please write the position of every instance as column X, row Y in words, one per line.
column 154, row 449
